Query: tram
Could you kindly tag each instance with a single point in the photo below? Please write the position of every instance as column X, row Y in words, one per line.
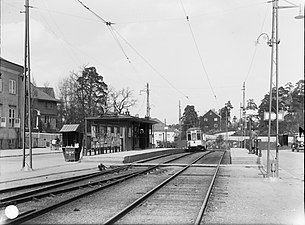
column 196, row 139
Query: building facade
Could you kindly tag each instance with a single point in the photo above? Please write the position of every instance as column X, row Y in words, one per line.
column 210, row 121
column 44, row 111
column 11, row 98
column 163, row 136
column 117, row 132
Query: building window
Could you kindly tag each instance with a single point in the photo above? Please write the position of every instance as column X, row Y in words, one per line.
column 198, row 135
column 1, row 85
column 11, row 116
column 215, row 119
column 12, row 87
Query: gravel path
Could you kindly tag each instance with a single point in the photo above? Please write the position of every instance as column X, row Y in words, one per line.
column 243, row 196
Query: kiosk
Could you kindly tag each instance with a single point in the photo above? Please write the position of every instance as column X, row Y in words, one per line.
column 71, row 142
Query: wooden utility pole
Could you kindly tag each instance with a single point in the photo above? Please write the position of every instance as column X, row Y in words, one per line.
column 147, row 100
column 147, row 103
column 27, row 90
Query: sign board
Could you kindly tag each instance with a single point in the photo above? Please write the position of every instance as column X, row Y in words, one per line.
column 251, row 112
column 273, row 116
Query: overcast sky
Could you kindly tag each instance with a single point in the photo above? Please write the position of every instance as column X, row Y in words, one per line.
column 162, row 48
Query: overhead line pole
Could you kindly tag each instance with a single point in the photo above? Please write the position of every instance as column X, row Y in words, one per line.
column 29, row 91
column 244, row 112
column 27, row 80
column 277, row 87
column 270, row 91
column 147, row 100
column 147, row 106
column 24, row 85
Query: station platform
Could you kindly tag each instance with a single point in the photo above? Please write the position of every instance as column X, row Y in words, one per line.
column 242, row 156
column 129, row 156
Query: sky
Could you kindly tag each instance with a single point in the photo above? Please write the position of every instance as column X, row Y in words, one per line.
column 202, row 61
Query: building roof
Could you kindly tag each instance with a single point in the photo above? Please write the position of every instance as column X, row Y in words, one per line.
column 69, row 128
column 39, row 94
column 211, row 111
column 48, row 90
column 7, row 64
column 121, row 117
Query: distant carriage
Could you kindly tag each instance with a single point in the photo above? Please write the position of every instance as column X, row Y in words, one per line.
column 196, row 139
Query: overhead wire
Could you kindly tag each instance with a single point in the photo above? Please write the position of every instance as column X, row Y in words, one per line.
column 198, row 51
column 150, row 65
column 114, row 32
column 118, row 42
column 108, row 24
column 72, row 50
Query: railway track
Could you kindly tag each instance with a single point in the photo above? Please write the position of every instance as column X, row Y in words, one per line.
column 88, row 189
column 177, row 217
column 45, row 185
column 83, row 185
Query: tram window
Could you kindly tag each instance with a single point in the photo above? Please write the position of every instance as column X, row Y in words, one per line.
column 194, row 136
column 198, row 135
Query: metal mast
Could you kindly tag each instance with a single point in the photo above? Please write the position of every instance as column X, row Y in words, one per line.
column 244, row 113
column 274, row 58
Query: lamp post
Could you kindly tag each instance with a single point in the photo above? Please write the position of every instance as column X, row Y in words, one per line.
column 273, row 42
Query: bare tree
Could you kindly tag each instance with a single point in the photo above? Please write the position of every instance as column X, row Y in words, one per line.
column 119, row 100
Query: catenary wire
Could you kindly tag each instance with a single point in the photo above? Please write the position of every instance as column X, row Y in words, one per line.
column 115, row 31
column 150, row 65
column 200, row 57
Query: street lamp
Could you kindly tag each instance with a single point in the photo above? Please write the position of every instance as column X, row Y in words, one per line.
column 300, row 16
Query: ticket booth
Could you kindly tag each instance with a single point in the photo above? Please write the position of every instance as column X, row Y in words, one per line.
column 71, row 142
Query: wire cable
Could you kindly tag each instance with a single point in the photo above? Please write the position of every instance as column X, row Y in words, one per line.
column 118, row 42
column 114, row 32
column 108, row 24
column 150, row 65
column 197, row 48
